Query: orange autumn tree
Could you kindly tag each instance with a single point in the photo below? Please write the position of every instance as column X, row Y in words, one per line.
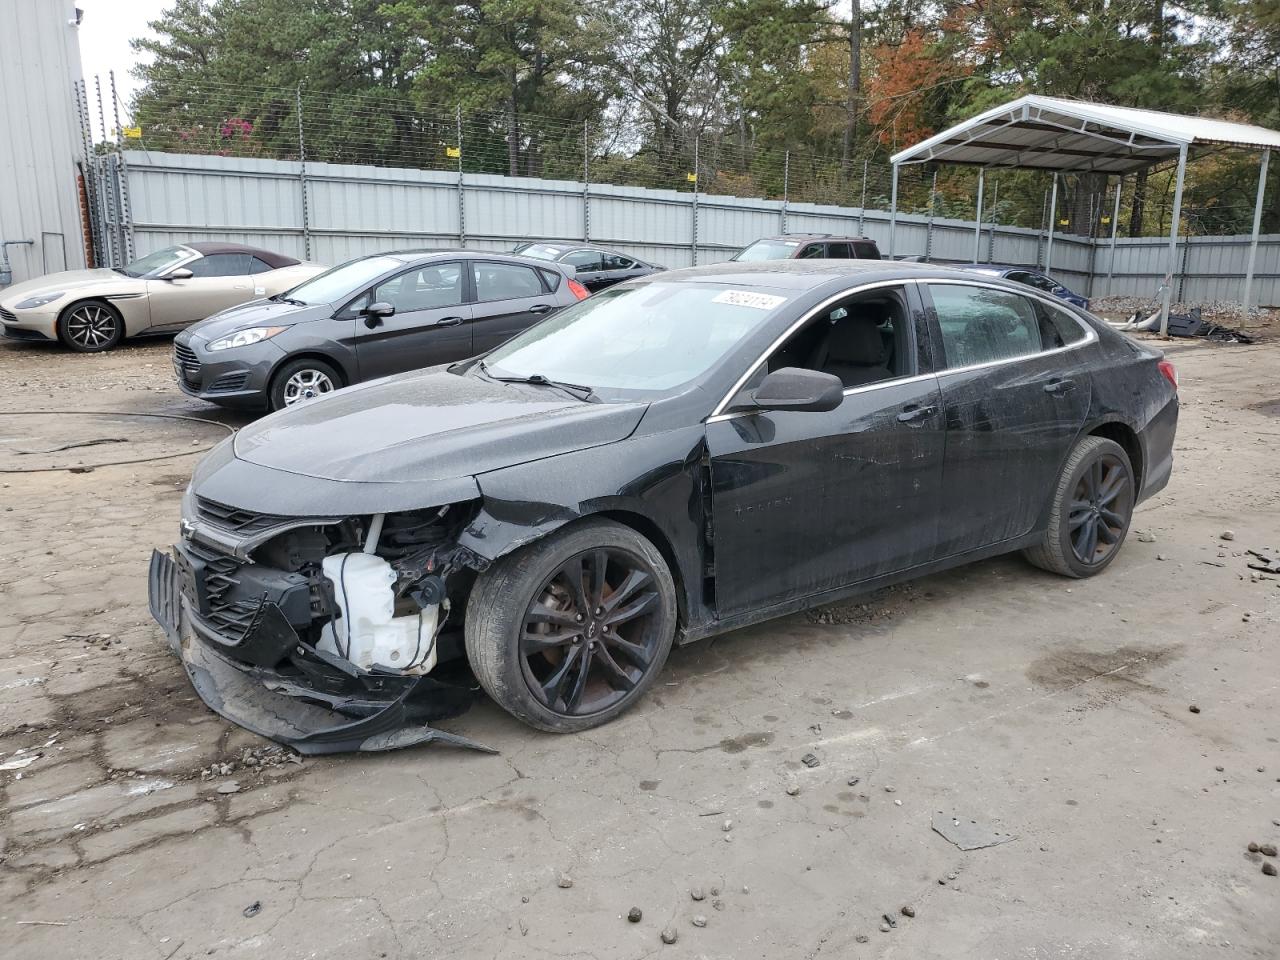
column 908, row 82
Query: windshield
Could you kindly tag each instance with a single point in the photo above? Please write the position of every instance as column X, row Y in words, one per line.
column 342, row 281
column 769, row 250
column 157, row 263
column 649, row 338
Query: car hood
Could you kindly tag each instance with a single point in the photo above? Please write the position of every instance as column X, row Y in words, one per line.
column 430, row 425
column 256, row 313
column 102, row 282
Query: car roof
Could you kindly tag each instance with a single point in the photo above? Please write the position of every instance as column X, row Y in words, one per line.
column 275, row 260
column 805, row 237
column 410, row 257
column 804, row 274
column 568, row 245
column 999, row 266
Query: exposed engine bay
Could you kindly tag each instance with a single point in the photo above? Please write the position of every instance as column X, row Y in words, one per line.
column 337, row 616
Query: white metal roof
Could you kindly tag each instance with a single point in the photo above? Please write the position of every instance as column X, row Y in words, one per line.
column 1049, row 133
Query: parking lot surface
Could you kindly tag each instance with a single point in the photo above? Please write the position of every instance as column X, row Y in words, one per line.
column 1055, row 712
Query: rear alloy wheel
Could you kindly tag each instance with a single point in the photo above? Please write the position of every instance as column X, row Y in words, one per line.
column 90, row 327
column 1091, row 510
column 301, row 380
column 569, row 632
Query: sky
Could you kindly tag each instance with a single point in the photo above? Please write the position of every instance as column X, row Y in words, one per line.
column 105, row 32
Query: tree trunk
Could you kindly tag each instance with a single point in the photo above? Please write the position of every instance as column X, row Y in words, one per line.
column 1136, row 212
column 855, row 87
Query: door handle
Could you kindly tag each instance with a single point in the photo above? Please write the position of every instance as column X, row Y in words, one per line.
column 915, row 413
column 1059, row 387
column 448, row 322
column 540, row 308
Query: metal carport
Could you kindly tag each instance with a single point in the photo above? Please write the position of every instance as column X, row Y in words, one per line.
column 1069, row 136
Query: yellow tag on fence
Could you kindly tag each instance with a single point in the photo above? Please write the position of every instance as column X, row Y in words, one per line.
column 691, row 177
column 132, row 133
column 453, row 153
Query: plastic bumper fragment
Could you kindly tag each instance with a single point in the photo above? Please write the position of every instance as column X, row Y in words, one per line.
column 290, row 707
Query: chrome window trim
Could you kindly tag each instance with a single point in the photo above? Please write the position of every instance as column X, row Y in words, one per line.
column 718, row 411
column 1090, row 335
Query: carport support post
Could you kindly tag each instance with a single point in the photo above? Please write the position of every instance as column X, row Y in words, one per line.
column 694, row 237
column 893, row 209
column 786, row 187
column 302, row 174
column 1053, row 216
column 462, row 194
column 977, row 227
column 1257, row 226
column 1172, row 255
column 586, row 183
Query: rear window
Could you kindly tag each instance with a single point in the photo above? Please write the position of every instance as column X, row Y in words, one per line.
column 769, row 250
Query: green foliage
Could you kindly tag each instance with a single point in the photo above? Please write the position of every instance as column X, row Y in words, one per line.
column 761, row 87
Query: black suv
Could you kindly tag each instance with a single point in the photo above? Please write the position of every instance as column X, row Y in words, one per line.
column 810, row 246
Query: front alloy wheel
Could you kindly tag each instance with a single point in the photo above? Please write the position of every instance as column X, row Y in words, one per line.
column 90, row 327
column 570, row 631
column 306, row 385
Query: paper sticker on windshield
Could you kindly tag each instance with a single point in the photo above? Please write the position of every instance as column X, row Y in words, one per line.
column 748, row 298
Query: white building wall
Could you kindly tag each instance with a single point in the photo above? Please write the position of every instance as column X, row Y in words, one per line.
column 40, row 141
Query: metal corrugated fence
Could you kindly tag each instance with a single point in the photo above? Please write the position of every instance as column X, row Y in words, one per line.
column 353, row 210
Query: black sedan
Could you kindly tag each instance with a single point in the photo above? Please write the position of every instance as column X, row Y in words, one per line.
column 596, row 267
column 364, row 319
column 668, row 460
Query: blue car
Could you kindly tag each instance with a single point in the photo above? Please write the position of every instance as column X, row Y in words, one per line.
column 1031, row 277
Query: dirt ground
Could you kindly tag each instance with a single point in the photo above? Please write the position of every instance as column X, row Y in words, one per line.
column 1055, row 712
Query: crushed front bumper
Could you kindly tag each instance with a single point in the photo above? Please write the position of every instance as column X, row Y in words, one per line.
column 273, row 684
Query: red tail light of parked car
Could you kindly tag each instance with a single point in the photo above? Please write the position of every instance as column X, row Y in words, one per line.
column 578, row 290
column 1170, row 372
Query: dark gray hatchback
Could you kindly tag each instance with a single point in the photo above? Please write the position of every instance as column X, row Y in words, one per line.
column 364, row 319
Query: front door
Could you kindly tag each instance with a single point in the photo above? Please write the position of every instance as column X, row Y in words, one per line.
column 218, row 281
column 509, row 297
column 1015, row 394
column 589, row 267
column 806, row 502
column 431, row 323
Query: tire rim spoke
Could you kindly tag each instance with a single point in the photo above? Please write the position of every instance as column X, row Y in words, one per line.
column 575, row 576
column 643, row 605
column 633, row 582
column 617, row 678
column 580, row 680
column 541, row 613
column 553, row 689
column 541, row 642
column 633, row 652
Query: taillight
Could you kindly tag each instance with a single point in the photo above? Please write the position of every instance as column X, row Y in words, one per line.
column 1170, row 373
column 578, row 290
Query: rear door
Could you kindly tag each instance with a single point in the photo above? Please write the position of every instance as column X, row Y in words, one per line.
column 1015, row 393
column 431, row 323
column 509, row 297
column 840, row 250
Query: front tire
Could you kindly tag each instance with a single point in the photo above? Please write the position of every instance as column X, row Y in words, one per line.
column 300, row 380
column 1090, row 513
column 569, row 632
column 93, row 326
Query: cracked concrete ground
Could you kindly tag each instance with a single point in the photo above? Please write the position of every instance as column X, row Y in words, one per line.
column 1059, row 710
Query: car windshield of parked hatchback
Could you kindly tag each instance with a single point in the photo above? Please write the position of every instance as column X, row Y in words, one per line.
column 769, row 250
column 649, row 338
column 158, row 262
column 342, row 281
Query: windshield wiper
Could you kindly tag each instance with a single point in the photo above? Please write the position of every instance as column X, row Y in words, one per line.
column 281, row 298
column 576, row 390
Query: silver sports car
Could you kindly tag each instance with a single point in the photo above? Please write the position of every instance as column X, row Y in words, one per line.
column 162, row 292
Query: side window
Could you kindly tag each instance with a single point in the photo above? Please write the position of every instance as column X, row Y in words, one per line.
column 221, row 265
column 980, row 324
column 813, row 251
column 840, row 251
column 865, row 250
column 423, row 288
column 584, row 261
column 614, row 262
column 505, row 281
column 863, row 340
column 257, row 265
column 1057, row 327
column 552, row 279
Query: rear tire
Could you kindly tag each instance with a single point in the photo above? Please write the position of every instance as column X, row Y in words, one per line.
column 92, row 326
column 563, row 659
column 1090, row 513
column 300, row 380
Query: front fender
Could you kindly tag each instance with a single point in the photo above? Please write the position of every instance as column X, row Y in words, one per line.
column 655, row 481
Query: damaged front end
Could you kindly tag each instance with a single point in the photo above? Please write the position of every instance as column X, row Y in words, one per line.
column 320, row 632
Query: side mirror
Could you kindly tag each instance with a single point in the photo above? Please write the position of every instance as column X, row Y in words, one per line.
column 179, row 273
column 380, row 309
column 792, row 388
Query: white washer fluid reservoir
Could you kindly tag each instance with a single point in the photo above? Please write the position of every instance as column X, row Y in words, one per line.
column 369, row 632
